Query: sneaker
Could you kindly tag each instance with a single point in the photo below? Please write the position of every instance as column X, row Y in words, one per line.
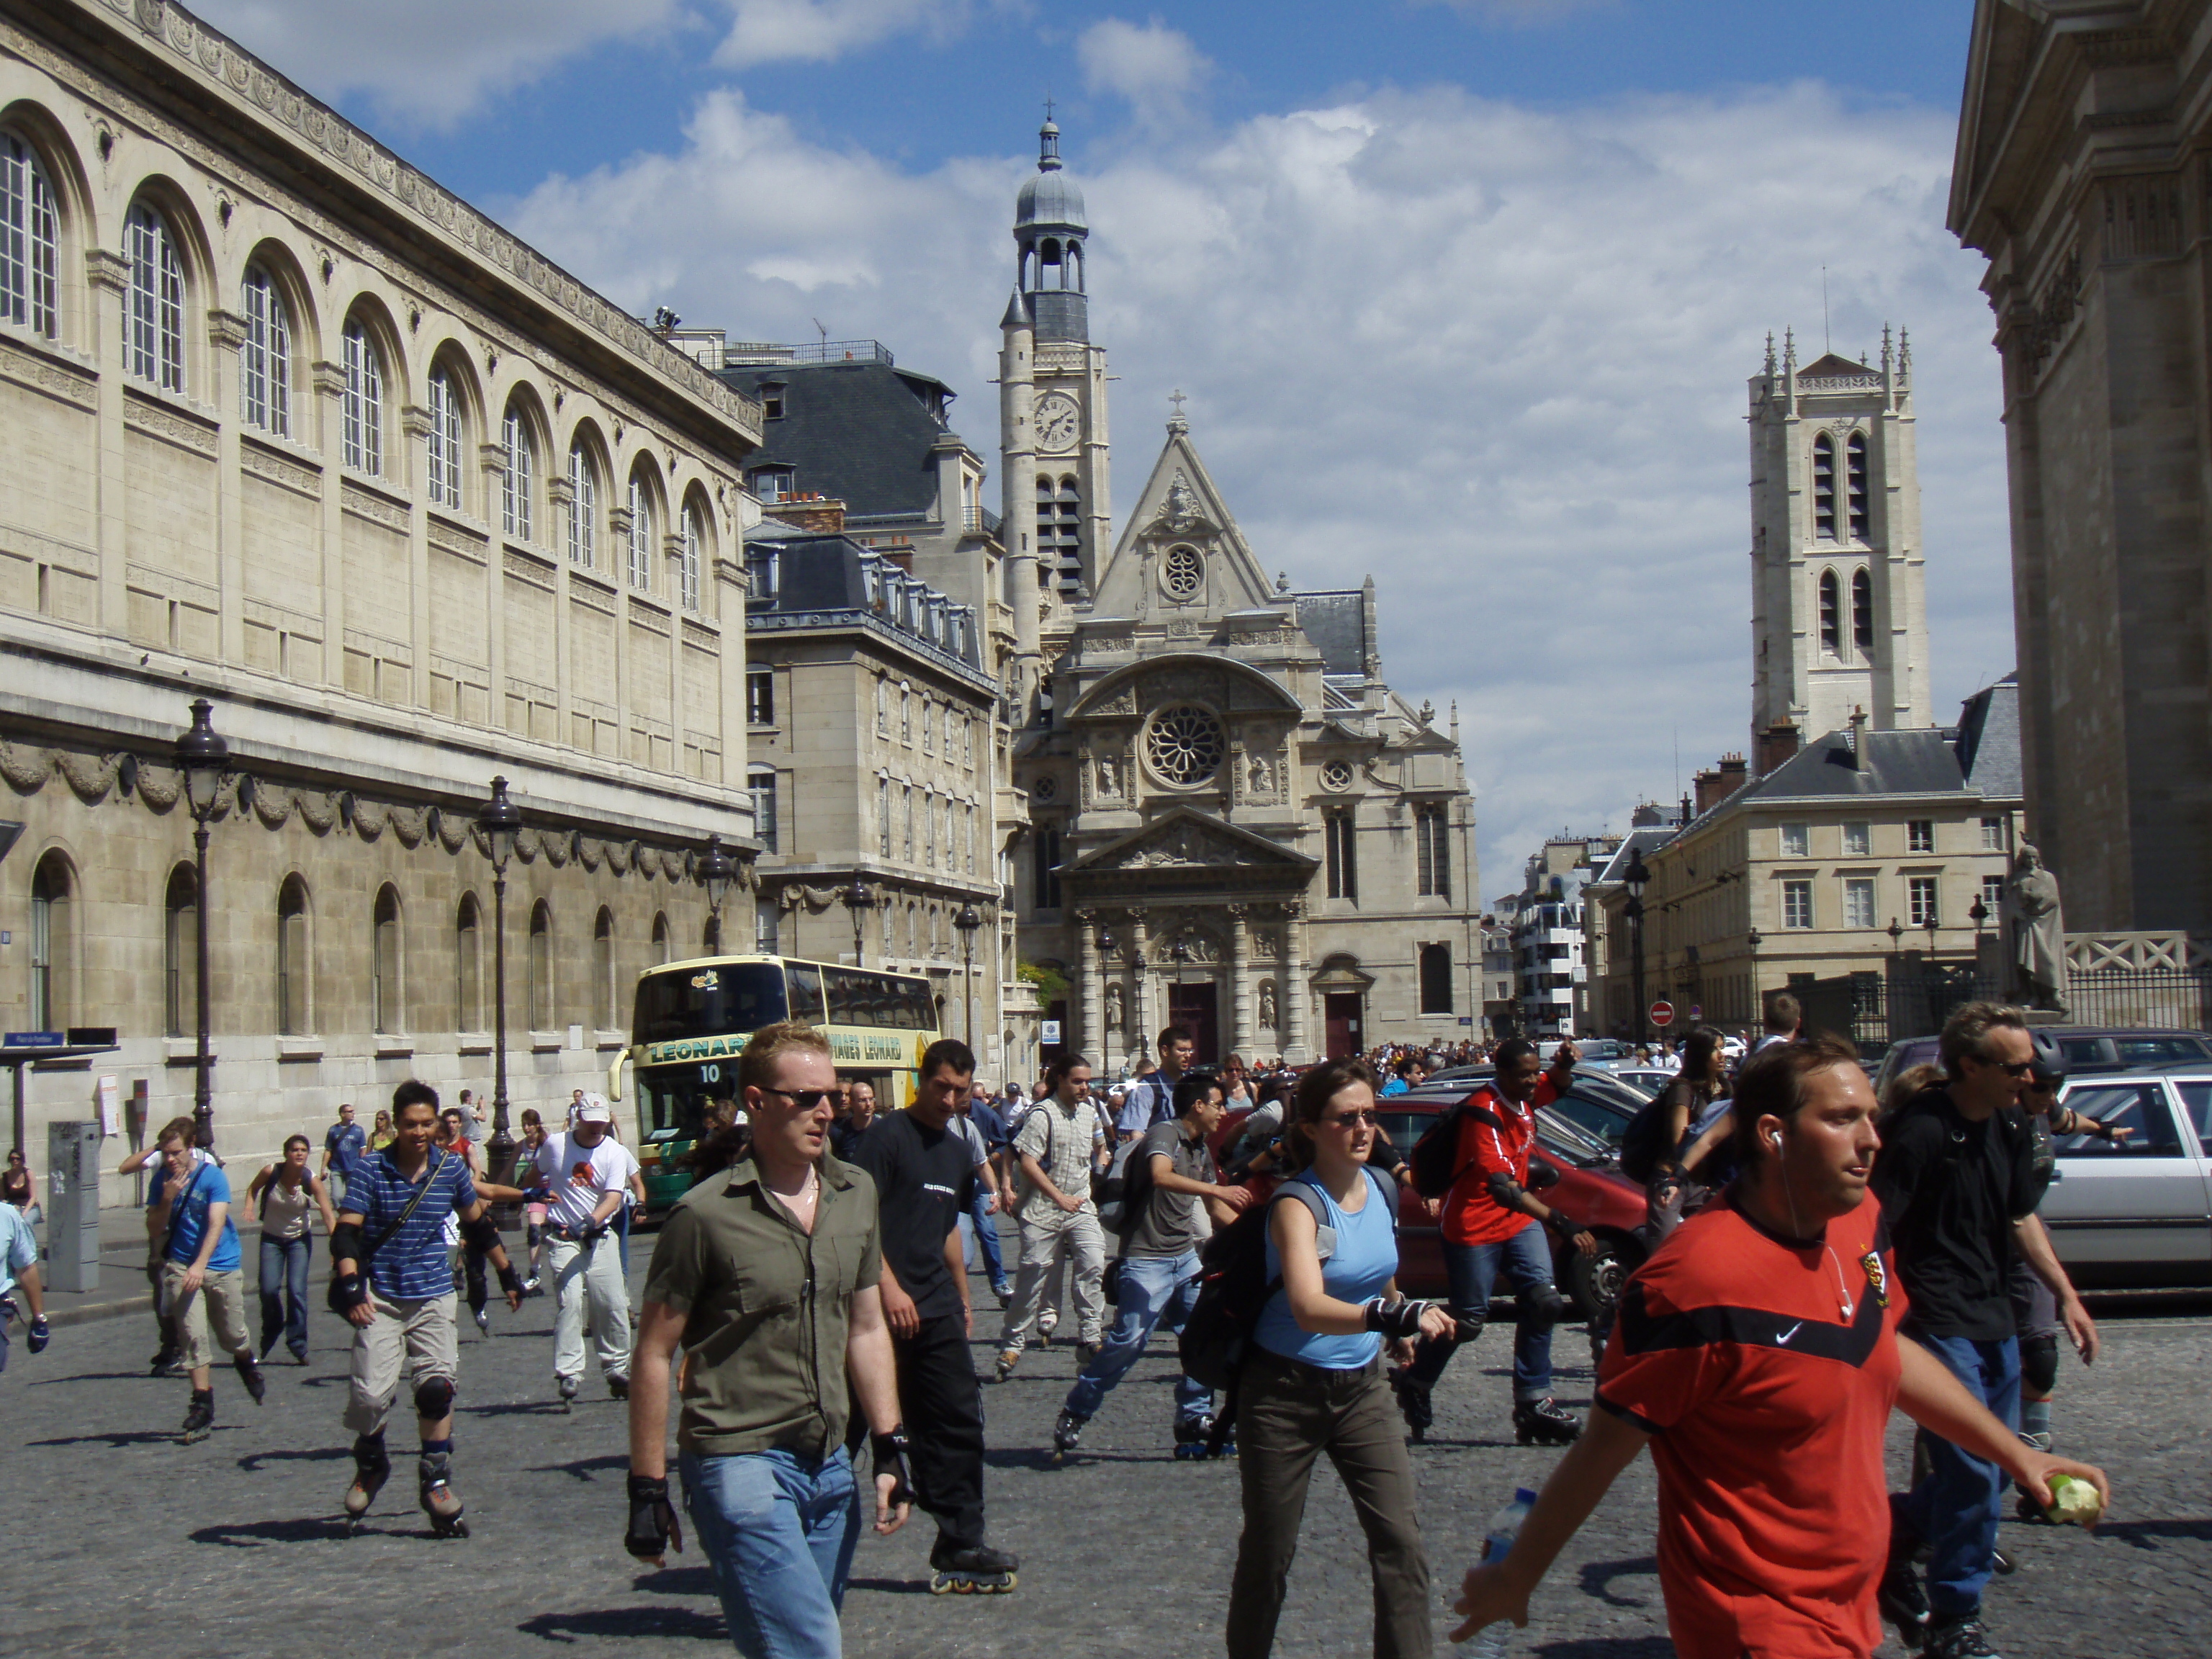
column 618, row 1388
column 483, row 1321
column 1960, row 1638
column 1085, row 1354
column 1900, row 1597
column 1005, row 1292
column 568, row 1389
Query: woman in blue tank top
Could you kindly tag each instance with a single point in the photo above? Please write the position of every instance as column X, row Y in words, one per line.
column 1314, row 1381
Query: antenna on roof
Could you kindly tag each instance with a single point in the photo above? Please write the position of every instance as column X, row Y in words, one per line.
column 822, row 332
column 1827, row 345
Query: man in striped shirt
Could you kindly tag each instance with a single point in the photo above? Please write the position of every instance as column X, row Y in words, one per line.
column 393, row 1281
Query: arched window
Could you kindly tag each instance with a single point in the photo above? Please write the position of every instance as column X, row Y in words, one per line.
column 387, row 1011
column 180, row 952
column 661, row 938
column 1059, row 529
column 761, row 780
column 295, row 968
column 264, row 361
column 603, row 970
column 468, row 965
column 442, row 453
column 1832, row 614
column 1855, row 480
column 882, row 707
column 363, row 422
column 53, row 943
column 515, row 486
column 1862, row 611
column 30, row 244
column 695, row 541
column 640, row 535
column 154, row 321
column 1823, row 488
column 583, row 508
column 541, row 967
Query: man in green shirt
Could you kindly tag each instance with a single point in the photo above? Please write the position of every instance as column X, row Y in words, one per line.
column 767, row 1279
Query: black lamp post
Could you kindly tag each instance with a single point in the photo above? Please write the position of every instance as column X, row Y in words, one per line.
column 856, row 899
column 1979, row 913
column 202, row 757
column 968, row 922
column 1181, row 953
column 500, row 822
column 716, row 871
column 1634, row 878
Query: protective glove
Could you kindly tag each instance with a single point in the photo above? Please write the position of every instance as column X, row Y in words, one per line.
column 40, row 1336
column 890, row 1452
column 1397, row 1321
column 1563, row 1226
column 652, row 1525
column 348, row 1292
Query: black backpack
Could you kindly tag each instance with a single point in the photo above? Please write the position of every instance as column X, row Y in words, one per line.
column 1644, row 1145
column 1435, row 1158
column 1233, row 1285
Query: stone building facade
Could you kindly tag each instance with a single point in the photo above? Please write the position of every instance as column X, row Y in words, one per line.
column 2084, row 173
column 290, row 427
column 1234, row 822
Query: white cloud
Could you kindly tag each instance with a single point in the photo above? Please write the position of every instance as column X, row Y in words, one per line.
column 1494, row 355
column 1155, row 67
column 429, row 61
column 819, row 31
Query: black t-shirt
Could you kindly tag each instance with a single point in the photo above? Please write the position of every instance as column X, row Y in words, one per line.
column 1951, row 1190
column 922, row 1179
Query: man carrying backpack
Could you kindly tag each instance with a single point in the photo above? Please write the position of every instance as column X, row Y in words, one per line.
column 1492, row 1221
column 1059, row 1146
column 1150, row 1099
column 1159, row 1269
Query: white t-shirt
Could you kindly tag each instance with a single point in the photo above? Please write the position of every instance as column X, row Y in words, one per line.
column 579, row 1177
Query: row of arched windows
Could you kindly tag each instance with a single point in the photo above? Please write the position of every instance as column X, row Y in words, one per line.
column 1861, row 613
column 1059, row 530
column 1854, row 487
column 165, row 258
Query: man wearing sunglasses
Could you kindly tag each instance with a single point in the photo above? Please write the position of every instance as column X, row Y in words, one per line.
column 1958, row 1185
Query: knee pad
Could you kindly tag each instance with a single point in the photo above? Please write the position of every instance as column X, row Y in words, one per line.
column 433, row 1397
column 2038, row 1364
column 1542, row 1307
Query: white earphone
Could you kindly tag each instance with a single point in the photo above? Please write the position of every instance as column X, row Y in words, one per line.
column 1774, row 1138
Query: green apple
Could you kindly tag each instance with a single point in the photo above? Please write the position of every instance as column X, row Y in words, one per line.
column 2073, row 1499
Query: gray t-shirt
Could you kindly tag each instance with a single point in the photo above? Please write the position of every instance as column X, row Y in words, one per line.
column 1173, row 1223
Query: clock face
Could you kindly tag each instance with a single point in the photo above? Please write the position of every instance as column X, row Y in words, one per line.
column 1059, row 422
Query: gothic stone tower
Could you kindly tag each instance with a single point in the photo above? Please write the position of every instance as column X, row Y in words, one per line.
column 1838, row 618
column 1052, row 407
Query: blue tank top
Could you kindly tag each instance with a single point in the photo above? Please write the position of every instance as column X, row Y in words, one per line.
column 1366, row 1259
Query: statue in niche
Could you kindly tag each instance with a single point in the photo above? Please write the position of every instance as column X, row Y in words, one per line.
column 1268, row 1019
column 1115, row 1018
column 1109, row 777
column 1260, row 777
column 2034, row 933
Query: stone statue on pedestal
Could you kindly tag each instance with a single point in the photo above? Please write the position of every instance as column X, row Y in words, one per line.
column 2034, row 930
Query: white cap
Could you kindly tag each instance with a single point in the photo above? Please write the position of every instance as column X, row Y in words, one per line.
column 595, row 1109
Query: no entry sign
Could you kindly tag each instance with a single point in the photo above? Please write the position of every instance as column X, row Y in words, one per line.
column 1662, row 1013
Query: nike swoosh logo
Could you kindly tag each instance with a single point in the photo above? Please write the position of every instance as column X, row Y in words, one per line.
column 1785, row 1336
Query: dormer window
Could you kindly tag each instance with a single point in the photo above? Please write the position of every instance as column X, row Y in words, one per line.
column 774, row 483
column 761, row 566
column 772, row 402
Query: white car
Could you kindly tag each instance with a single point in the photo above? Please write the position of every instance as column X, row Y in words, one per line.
column 2136, row 1211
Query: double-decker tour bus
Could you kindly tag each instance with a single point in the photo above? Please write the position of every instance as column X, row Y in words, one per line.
column 692, row 1019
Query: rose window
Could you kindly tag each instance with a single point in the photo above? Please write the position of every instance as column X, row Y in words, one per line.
column 1336, row 775
column 1184, row 573
column 1184, row 744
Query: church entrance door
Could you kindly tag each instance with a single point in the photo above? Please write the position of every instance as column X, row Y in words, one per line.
column 1341, row 1023
column 1197, row 1008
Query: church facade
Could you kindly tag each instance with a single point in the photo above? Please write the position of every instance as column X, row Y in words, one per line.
column 1234, row 823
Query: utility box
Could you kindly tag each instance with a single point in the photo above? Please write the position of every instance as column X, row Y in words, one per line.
column 73, row 1206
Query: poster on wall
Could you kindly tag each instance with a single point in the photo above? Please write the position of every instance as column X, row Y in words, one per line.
column 109, row 1093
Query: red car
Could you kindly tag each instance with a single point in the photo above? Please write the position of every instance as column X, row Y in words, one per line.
column 1589, row 1187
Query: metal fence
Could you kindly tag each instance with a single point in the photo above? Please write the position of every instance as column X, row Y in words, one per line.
column 2179, row 997
column 1914, row 998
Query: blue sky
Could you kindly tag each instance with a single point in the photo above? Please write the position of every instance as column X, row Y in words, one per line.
column 1465, row 292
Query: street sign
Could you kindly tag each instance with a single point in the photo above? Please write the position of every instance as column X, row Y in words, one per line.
column 31, row 1039
column 1662, row 1013
column 1696, row 1013
column 1051, row 1032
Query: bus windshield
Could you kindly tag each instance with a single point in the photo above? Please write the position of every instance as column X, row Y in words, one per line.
column 671, row 1100
column 711, row 999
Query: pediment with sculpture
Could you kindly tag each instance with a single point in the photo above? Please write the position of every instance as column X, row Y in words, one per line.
column 1185, row 843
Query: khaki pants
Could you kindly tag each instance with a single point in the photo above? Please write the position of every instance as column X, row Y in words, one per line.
column 595, row 1276
column 1043, row 1244
column 416, row 1337
column 1287, row 1414
column 220, row 1303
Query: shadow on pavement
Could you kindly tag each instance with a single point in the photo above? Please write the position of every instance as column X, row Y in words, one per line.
column 603, row 1624
column 584, row 1467
column 677, row 1581
column 119, row 1439
column 252, row 1534
column 2143, row 1534
column 889, row 1586
column 1597, row 1579
column 516, row 1409
column 140, row 1376
column 252, row 1462
column 1609, row 1647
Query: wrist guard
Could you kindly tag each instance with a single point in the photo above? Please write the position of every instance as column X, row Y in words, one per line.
column 890, row 1452
column 482, row 1234
column 1564, row 1226
column 346, row 1243
column 653, row 1524
column 348, row 1292
column 1397, row 1321
column 40, row 1336
column 510, row 1282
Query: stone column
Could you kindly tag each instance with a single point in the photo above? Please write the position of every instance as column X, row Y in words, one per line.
column 1090, row 986
column 1140, row 954
column 1242, row 1028
column 1296, row 991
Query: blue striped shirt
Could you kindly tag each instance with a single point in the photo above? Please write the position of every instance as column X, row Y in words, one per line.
column 410, row 1264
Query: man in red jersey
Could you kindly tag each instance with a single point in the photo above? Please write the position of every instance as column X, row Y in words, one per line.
column 1757, row 1353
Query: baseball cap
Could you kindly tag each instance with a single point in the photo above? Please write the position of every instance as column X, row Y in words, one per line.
column 595, row 1109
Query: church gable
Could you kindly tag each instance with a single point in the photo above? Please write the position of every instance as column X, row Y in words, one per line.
column 1185, row 842
column 1180, row 553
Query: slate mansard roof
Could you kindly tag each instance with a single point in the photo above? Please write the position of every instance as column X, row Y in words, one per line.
column 863, row 433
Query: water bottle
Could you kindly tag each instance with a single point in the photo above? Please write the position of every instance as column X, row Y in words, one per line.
column 1490, row 1641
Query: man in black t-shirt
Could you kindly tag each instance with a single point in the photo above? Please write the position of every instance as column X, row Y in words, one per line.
column 1958, row 1183
column 923, row 1170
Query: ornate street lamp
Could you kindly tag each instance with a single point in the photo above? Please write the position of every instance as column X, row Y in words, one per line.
column 1634, row 878
column 1181, row 954
column 1979, row 913
column 968, row 922
column 716, row 871
column 202, row 757
column 500, row 822
column 858, row 900
column 1930, row 926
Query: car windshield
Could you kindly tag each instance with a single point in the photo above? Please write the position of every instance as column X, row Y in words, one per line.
column 2138, row 1108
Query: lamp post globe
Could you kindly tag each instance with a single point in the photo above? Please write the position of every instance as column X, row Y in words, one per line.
column 968, row 922
column 857, row 898
column 500, row 822
column 203, row 756
column 717, row 870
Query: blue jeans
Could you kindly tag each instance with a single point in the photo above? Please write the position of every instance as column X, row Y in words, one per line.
column 1155, row 1289
column 283, row 1279
column 1473, row 1269
column 987, row 1235
column 1955, row 1508
column 779, row 1532
column 621, row 1236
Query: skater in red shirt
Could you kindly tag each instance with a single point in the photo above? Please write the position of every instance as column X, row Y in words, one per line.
column 1756, row 1354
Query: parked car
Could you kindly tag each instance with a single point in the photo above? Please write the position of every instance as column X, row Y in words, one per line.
column 1476, row 1072
column 1647, row 1080
column 1604, row 1053
column 2076, row 1050
column 2136, row 1212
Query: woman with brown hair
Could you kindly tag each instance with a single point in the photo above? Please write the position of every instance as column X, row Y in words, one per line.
column 285, row 1195
column 1314, row 1381
column 1689, row 1100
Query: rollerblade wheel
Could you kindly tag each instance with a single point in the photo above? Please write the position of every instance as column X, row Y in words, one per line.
column 960, row 1584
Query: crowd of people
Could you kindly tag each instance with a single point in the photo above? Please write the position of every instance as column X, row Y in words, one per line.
column 812, row 1292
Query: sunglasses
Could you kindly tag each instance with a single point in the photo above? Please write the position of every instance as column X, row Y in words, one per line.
column 807, row 1100
column 1353, row 1120
column 2012, row 1068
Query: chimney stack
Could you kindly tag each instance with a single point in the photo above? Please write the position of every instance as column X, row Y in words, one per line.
column 1718, row 784
column 814, row 513
column 1776, row 744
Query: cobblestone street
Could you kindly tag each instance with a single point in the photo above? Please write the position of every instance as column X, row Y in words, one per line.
column 115, row 1538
